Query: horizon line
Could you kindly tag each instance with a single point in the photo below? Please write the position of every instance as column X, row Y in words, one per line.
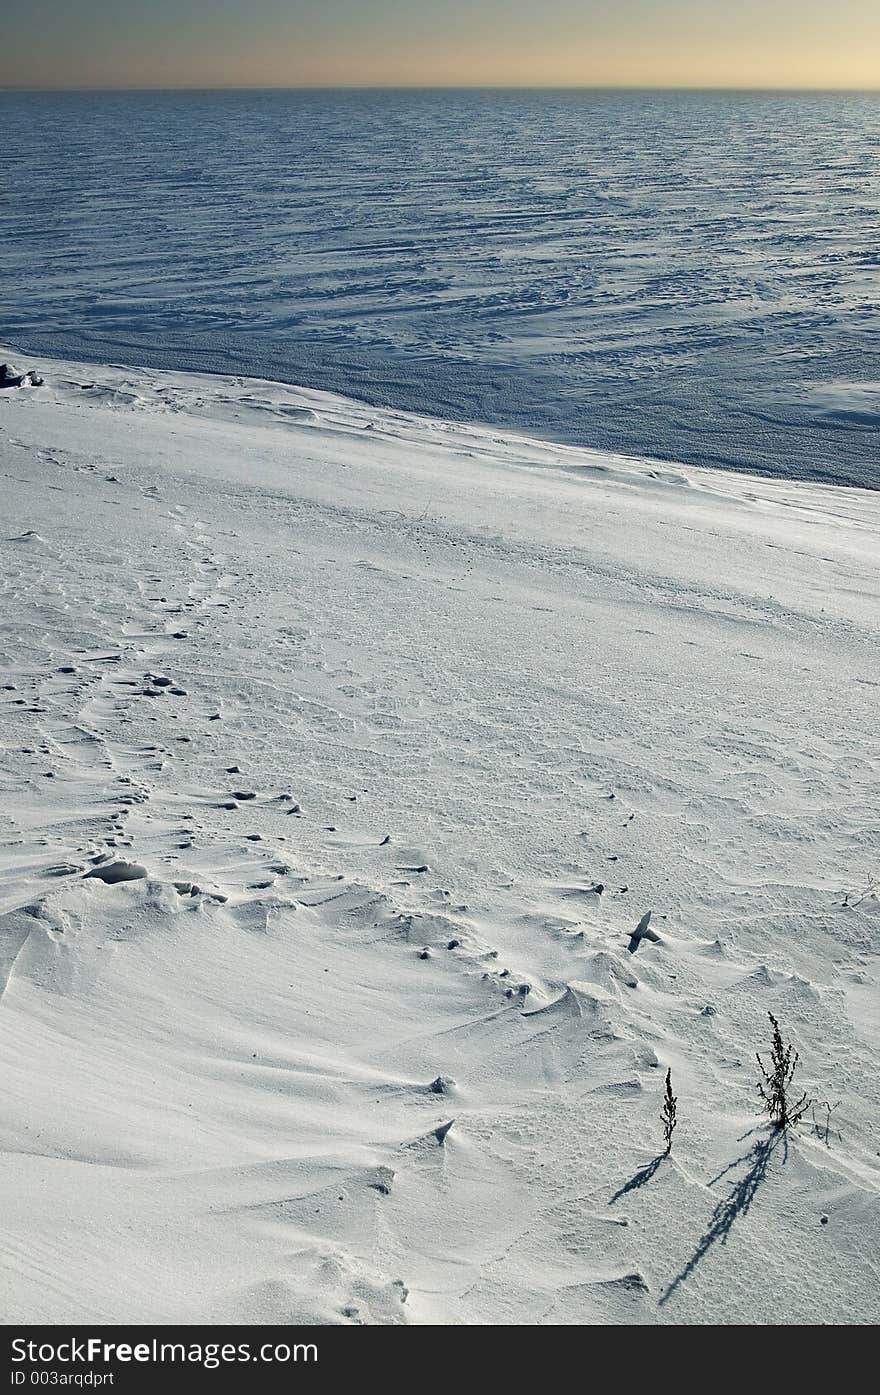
column 439, row 87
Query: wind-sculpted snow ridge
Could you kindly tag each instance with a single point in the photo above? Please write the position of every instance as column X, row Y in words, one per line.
column 344, row 755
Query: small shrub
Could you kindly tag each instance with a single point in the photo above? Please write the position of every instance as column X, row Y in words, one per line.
column 823, row 1128
column 775, row 1086
column 668, row 1113
column 869, row 887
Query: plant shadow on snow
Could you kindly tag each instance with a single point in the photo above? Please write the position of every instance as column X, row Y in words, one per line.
column 639, row 1178
column 736, row 1203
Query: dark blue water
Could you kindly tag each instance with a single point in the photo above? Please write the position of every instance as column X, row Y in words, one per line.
column 694, row 276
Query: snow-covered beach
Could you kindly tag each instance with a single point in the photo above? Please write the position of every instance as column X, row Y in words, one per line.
column 391, row 730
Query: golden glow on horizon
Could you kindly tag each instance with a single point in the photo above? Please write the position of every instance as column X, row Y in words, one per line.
column 650, row 43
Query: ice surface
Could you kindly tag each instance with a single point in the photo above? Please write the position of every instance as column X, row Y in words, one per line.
column 665, row 274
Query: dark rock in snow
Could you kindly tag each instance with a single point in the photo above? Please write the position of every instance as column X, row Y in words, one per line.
column 441, row 1085
column 642, row 932
column 10, row 379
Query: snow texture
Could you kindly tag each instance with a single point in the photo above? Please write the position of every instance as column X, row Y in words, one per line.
column 343, row 753
column 685, row 275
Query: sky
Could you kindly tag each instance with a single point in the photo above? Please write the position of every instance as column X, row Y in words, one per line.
column 308, row 43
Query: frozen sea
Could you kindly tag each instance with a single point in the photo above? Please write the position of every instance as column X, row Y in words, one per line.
column 692, row 276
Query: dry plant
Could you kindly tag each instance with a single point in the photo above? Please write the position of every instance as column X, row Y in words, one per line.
column 775, row 1086
column 669, row 1112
